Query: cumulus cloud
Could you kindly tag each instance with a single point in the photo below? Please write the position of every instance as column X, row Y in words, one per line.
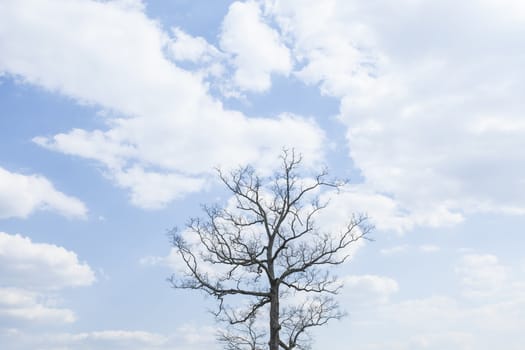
column 185, row 47
column 366, row 289
column 419, row 323
column 404, row 248
column 23, row 305
column 397, row 249
column 442, row 340
column 477, row 326
column 118, row 339
column 197, row 336
column 257, row 48
column 485, row 307
column 162, row 118
column 40, row 266
column 32, row 274
column 430, row 98
column 387, row 213
column 429, row 248
column 21, row 195
column 185, row 337
column 152, row 190
column 482, row 274
column 202, row 57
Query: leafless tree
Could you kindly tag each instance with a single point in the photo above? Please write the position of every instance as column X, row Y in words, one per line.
column 266, row 249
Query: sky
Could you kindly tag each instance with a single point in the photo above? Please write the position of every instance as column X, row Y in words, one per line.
column 113, row 115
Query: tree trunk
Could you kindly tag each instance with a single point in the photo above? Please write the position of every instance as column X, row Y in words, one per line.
column 274, row 319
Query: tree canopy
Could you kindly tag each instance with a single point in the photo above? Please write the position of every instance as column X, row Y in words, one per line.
column 265, row 258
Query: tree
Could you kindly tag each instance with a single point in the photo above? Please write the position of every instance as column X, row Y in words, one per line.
column 265, row 250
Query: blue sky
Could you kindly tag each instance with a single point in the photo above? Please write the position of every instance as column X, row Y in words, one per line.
column 114, row 113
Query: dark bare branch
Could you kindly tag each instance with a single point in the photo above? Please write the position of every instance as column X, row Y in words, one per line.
column 266, row 245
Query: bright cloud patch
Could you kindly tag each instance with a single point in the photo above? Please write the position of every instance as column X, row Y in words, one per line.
column 23, row 305
column 363, row 289
column 40, row 266
column 172, row 127
column 482, row 274
column 432, row 106
column 150, row 190
column 32, row 273
column 486, row 307
column 257, row 48
column 387, row 213
column 184, row 338
column 119, row 339
column 185, row 47
column 419, row 323
column 21, row 195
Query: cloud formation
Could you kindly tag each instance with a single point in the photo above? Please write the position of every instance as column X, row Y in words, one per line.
column 482, row 275
column 21, row 195
column 257, row 48
column 23, row 305
column 483, row 305
column 32, row 273
column 161, row 118
column 430, row 98
column 365, row 289
column 186, row 337
column 40, row 266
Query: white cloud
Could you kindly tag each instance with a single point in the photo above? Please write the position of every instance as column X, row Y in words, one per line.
column 186, row 337
column 23, row 305
column 386, row 213
column 206, row 60
column 40, row 266
column 197, row 336
column 256, row 47
column 151, row 190
column 403, row 248
column 21, row 195
column 366, row 289
column 491, row 125
column 162, row 119
column 120, row 338
column 486, row 309
column 478, row 326
column 441, row 340
column 482, row 274
column 185, row 47
column 418, row 323
column 426, row 314
column 431, row 98
column 429, row 248
column 130, row 4
column 395, row 249
column 32, row 273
